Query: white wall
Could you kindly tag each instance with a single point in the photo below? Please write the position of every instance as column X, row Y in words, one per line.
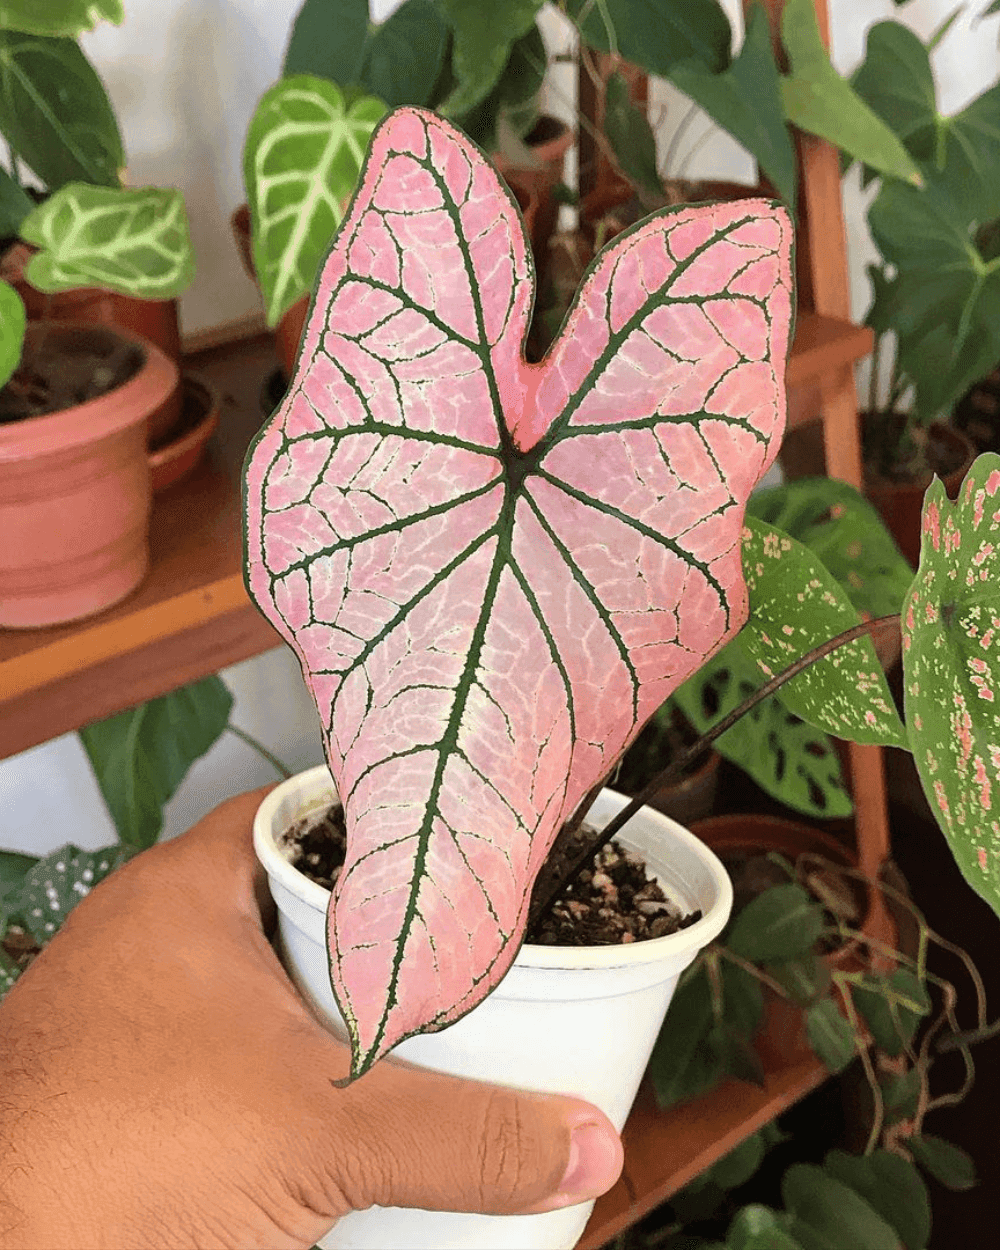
column 185, row 76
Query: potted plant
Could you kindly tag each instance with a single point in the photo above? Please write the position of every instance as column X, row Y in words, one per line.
column 79, row 404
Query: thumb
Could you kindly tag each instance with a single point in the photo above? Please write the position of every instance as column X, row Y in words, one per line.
column 447, row 1144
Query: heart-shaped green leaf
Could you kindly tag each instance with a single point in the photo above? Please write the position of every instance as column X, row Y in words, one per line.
column 830, row 1215
column 757, row 1227
column 59, row 17
column 136, row 242
column 779, row 924
column 892, row 1007
column 830, row 1035
column 947, row 1163
column 404, row 55
column 328, row 40
column 627, row 129
column 55, row 113
column 304, row 150
column 483, row 35
column 797, row 605
column 891, row 1186
column 656, row 40
column 951, row 635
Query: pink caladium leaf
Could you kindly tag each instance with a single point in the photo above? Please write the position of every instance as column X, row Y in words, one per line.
column 493, row 572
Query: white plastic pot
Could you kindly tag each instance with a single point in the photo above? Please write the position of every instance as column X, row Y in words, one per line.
column 573, row 1020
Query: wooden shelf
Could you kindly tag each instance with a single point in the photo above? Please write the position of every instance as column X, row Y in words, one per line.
column 664, row 1150
column 192, row 617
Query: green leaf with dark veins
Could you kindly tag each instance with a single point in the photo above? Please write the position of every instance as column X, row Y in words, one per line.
column 951, row 635
column 12, row 323
column 804, row 979
column 328, row 39
column 656, row 36
column 404, row 55
column 892, row 1007
column 55, row 112
column 742, row 998
column 795, row 605
column 830, row 1215
column 794, row 762
column 842, row 528
column 304, row 150
column 483, row 35
column 780, row 923
column 627, row 129
column 59, row 17
column 140, row 757
column 818, row 100
column 891, row 1186
column 830, row 1035
column 54, row 886
column 133, row 241
column 745, row 100
column 948, row 1164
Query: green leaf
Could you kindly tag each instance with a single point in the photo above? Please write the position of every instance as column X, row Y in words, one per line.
column 745, row 100
column 141, row 756
column 757, row 1227
column 328, row 40
column 951, row 630
column 780, row 923
column 842, row 528
column 627, row 129
column 901, row 1095
column 892, row 1007
column 483, row 35
column 656, row 36
column 683, row 1064
column 949, row 1165
column 15, row 205
column 59, row 17
column 736, row 1167
column 891, row 1186
column 54, row 886
column 742, row 998
column 136, row 242
column 304, row 151
column 804, row 979
column 404, row 55
column 830, row 1035
column 512, row 105
column 791, row 760
column 830, row 1215
column 818, row 100
column 896, row 81
column 14, row 867
column 55, row 113
column 795, row 605
column 12, row 323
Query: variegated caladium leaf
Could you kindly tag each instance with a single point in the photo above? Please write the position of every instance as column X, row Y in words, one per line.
column 796, row 605
column 494, row 572
column 951, row 641
column 134, row 241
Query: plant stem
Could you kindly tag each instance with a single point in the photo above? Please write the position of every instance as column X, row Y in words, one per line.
column 261, row 750
column 697, row 749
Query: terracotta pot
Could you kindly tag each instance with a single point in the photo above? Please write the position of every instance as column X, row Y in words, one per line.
column 288, row 332
column 156, row 320
column 173, row 459
column 75, row 490
column 951, row 455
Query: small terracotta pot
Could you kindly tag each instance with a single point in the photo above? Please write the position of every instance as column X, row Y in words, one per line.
column 175, row 458
column 156, row 320
column 75, row 491
column 288, row 332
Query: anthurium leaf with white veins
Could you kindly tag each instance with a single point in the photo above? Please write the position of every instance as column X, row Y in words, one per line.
column 796, row 605
column 304, row 149
column 136, row 242
column 951, row 635
column 494, row 572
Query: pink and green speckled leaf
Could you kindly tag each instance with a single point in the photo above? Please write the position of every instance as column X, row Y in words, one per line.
column 493, row 572
column 951, row 666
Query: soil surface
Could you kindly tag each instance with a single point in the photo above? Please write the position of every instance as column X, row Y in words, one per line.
column 613, row 902
column 61, row 368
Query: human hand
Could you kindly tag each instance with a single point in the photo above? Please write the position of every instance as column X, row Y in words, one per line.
column 162, row 1084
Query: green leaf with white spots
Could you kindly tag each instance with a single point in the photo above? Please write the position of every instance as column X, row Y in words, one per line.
column 951, row 640
column 795, row 606
column 12, row 322
column 57, row 883
column 136, row 242
column 304, row 150
column 59, row 17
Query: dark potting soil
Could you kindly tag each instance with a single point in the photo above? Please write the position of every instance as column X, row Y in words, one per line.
column 615, row 901
column 61, row 368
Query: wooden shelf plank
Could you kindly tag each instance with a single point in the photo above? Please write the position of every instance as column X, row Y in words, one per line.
column 664, row 1150
column 823, row 345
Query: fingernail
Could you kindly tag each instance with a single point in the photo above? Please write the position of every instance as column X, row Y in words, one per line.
column 595, row 1161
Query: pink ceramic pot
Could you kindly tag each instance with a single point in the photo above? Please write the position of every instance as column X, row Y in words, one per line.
column 75, row 491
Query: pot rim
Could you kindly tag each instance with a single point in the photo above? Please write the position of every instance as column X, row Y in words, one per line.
column 319, row 782
column 97, row 418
